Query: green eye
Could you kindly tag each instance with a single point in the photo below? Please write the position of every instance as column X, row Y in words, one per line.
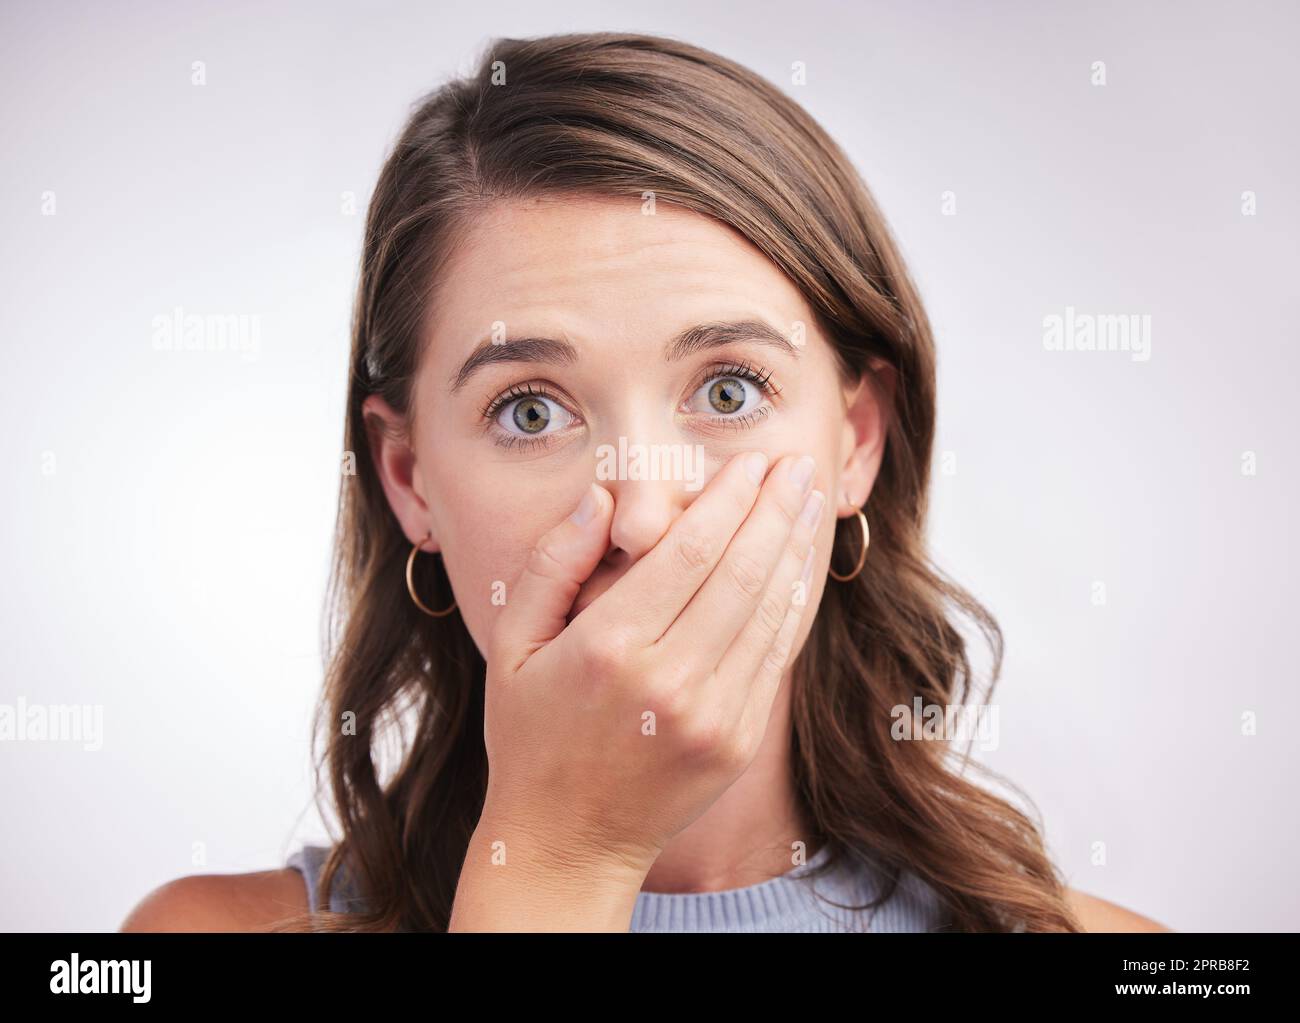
column 732, row 393
column 727, row 394
column 524, row 416
column 531, row 415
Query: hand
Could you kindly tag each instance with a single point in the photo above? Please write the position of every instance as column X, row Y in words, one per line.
column 608, row 736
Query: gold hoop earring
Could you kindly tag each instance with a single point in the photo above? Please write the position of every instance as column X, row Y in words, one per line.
column 862, row 558
column 410, row 584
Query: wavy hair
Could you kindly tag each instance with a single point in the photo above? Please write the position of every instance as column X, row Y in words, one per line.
column 616, row 114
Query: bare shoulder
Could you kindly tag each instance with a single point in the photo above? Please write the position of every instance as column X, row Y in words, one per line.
column 1097, row 914
column 220, row 902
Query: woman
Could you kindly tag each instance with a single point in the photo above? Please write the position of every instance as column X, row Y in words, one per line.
column 636, row 364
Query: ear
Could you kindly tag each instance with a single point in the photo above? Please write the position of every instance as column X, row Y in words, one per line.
column 399, row 473
column 868, row 405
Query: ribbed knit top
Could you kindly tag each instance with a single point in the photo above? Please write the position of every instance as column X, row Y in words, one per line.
column 791, row 902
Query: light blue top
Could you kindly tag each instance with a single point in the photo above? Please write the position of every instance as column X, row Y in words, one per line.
column 785, row 903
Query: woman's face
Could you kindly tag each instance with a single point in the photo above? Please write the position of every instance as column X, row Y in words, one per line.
column 564, row 332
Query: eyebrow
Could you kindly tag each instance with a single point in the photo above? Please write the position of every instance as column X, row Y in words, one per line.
column 553, row 351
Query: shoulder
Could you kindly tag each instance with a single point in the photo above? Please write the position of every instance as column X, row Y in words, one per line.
column 220, row 902
column 1099, row 915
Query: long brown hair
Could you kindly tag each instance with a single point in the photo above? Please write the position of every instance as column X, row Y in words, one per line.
column 616, row 114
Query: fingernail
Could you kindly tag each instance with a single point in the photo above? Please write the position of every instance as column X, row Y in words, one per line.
column 812, row 509
column 802, row 472
column 807, row 567
column 586, row 509
column 755, row 466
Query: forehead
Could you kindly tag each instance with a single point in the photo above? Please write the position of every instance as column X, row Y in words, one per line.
column 596, row 268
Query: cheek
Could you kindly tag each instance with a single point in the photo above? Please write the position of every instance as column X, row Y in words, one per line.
column 489, row 527
column 811, row 434
column 818, row 436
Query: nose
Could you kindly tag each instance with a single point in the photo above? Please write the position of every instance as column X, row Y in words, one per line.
column 643, row 511
column 653, row 476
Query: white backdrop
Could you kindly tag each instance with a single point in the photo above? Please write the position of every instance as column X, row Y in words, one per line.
column 167, row 517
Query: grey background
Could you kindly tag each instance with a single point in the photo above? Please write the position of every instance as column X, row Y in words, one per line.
column 171, row 566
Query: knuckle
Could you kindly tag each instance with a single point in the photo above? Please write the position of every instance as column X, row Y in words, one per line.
column 675, row 682
column 747, row 574
column 673, row 701
column 772, row 611
column 693, row 551
column 716, row 744
column 778, row 654
column 706, row 739
column 607, row 653
column 543, row 560
column 737, row 752
column 789, row 509
column 742, row 501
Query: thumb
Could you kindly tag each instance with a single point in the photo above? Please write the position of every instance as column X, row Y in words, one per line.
column 535, row 612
